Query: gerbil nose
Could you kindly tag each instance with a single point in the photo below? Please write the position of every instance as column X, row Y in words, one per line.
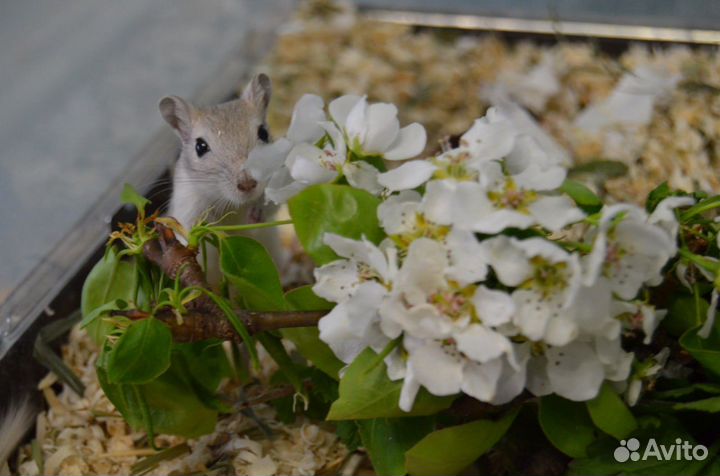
column 246, row 183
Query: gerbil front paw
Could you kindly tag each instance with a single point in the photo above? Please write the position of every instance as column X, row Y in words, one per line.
column 255, row 215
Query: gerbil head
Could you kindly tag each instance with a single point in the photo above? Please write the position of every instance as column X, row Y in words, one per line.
column 216, row 142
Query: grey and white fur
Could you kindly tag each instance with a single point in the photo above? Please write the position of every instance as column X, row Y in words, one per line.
column 211, row 181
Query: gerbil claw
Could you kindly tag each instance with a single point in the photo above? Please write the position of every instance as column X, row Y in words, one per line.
column 255, row 214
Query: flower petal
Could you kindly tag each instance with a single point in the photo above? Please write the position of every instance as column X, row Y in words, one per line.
column 423, row 268
column 498, row 220
column 282, row 187
column 336, row 281
column 575, row 371
column 468, row 263
column 561, row 331
column 356, row 123
column 398, row 213
column 334, row 331
column 512, row 381
column 705, row 330
column 533, row 313
column 480, row 380
column 308, row 170
column 489, row 141
column 410, row 141
column 408, row 176
column 362, row 175
column 340, row 108
column 396, row 366
column 664, row 213
column 306, row 116
column 264, row 161
column 363, row 306
column 537, row 379
column 437, row 370
column 352, row 326
column 555, row 212
column 382, row 128
column 494, row 307
column 651, row 318
column 481, row 344
column 362, row 251
column 462, row 204
column 509, row 262
column 409, row 391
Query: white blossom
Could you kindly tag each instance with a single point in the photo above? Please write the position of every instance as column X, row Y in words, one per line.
column 446, row 369
column 267, row 163
column 631, row 102
column 374, row 129
column 358, row 284
column 628, row 251
column 488, row 316
column 664, row 213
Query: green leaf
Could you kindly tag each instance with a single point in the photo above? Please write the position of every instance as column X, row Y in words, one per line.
column 273, row 345
column 110, row 279
column 174, row 406
column 711, row 469
column 658, row 194
column 206, row 362
column 107, row 308
column 601, row 168
column 610, row 414
column 304, row 299
column 680, row 392
column 237, row 324
column 307, row 339
column 338, row 209
column 251, row 271
column 664, row 431
column 567, row 425
column 141, row 354
column 700, row 208
column 709, row 405
column 44, row 353
column 583, row 196
column 450, row 450
column 130, row 196
column 683, row 314
column 387, row 440
column 367, row 392
column 705, row 351
column 349, row 434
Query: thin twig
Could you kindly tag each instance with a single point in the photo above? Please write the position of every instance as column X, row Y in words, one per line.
column 204, row 319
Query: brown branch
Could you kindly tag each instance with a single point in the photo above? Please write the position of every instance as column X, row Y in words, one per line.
column 204, row 319
column 200, row 325
column 171, row 256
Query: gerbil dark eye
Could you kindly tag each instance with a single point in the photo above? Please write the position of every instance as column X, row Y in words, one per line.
column 201, row 147
column 263, row 134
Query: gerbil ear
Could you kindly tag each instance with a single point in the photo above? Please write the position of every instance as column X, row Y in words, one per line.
column 258, row 91
column 178, row 113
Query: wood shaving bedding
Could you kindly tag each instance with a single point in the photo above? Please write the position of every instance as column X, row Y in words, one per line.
column 86, row 435
column 435, row 78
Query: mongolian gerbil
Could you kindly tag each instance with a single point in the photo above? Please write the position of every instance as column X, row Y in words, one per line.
column 211, row 180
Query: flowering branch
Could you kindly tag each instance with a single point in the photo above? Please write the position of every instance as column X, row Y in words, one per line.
column 205, row 319
column 199, row 325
